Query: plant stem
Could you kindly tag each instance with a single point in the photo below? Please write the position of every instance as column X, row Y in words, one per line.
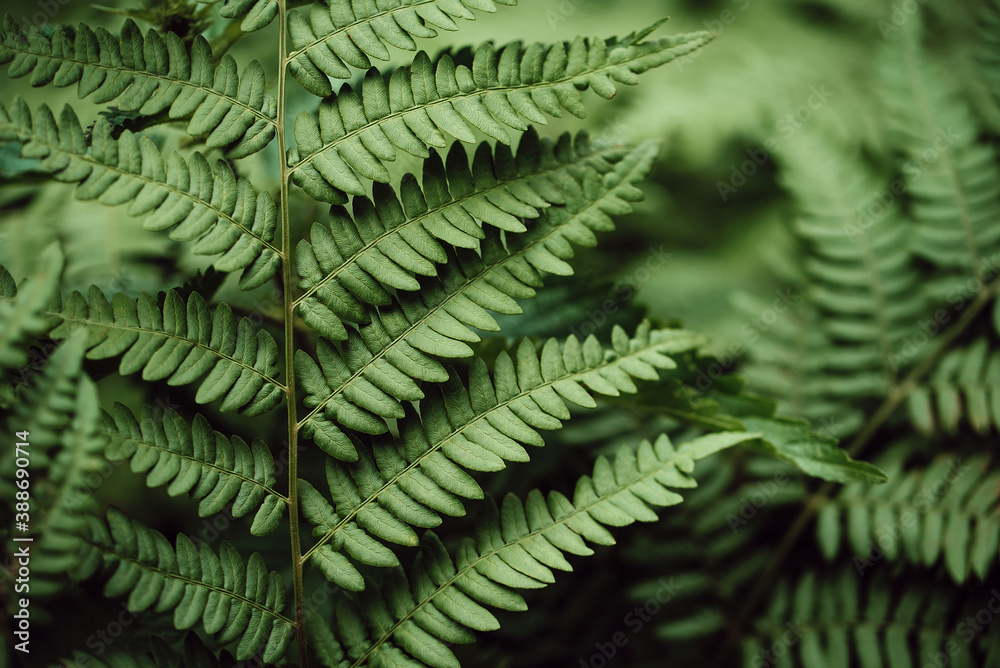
column 897, row 395
column 289, row 317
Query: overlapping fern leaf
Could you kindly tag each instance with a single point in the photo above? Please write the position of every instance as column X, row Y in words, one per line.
column 952, row 178
column 151, row 74
column 443, row 598
column 198, row 460
column 841, row 619
column 357, row 132
column 360, row 260
column 476, row 428
column 180, row 341
column 362, row 387
column 56, row 416
column 342, row 33
column 963, row 388
column 862, row 283
column 209, row 205
column 233, row 601
column 711, row 550
column 945, row 511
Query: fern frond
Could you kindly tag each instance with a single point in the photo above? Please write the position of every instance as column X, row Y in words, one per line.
column 255, row 14
column 517, row 547
column 341, row 33
column 180, row 342
column 949, row 508
column 862, row 282
column 478, row 428
column 211, row 207
column 357, row 133
column 21, row 310
column 233, row 601
column 160, row 655
column 952, row 176
column 216, row 470
column 60, row 413
column 965, row 384
column 711, row 549
column 987, row 31
column 843, row 620
column 360, row 260
column 150, row 74
column 443, row 318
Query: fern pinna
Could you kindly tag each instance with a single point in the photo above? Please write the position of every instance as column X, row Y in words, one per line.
column 395, row 404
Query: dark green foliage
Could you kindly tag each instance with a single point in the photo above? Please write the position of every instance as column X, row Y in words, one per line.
column 380, row 365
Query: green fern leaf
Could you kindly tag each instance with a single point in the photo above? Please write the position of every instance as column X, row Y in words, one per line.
column 179, row 342
column 814, row 453
column 948, row 509
column 356, row 133
column 711, row 549
column 842, row 620
column 233, row 601
column 60, row 414
column 255, row 14
column 379, row 249
column 515, row 547
column 150, row 73
column 965, row 384
column 952, row 177
column 479, row 428
column 342, row 33
column 22, row 311
column 221, row 213
column 364, row 385
column 216, row 470
column 863, row 283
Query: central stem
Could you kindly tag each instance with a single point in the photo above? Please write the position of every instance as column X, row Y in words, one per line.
column 289, row 318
